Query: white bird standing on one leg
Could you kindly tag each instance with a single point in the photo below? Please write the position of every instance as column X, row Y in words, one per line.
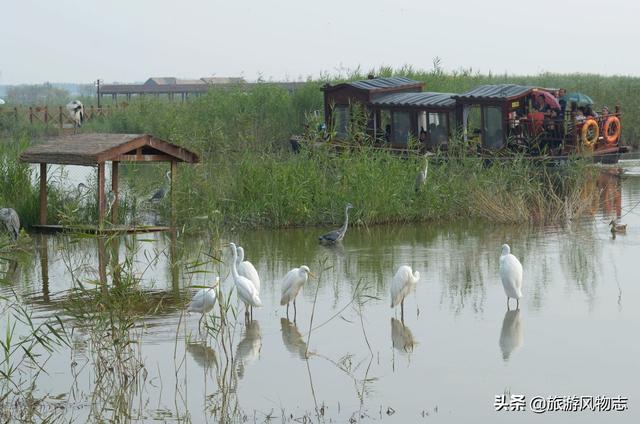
column 401, row 285
column 246, row 291
column 247, row 270
column 291, row 285
column 511, row 274
column 204, row 300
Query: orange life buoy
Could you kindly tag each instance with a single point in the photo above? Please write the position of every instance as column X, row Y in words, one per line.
column 586, row 140
column 611, row 138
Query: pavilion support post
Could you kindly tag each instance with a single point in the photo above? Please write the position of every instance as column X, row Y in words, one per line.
column 174, row 175
column 101, row 200
column 114, row 188
column 43, row 194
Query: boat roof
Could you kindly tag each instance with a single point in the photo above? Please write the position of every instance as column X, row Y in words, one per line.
column 377, row 84
column 495, row 92
column 427, row 100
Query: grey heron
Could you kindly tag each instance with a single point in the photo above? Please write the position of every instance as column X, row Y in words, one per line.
column 291, row 285
column 11, row 221
column 161, row 192
column 403, row 282
column 246, row 291
column 511, row 275
column 422, row 174
column 337, row 235
column 247, row 270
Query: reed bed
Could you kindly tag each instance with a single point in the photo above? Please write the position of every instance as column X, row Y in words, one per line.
column 248, row 177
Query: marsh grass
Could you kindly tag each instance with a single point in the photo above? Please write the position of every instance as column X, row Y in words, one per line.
column 248, row 178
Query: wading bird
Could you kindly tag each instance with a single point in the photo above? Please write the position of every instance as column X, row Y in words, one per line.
column 291, row 285
column 11, row 221
column 401, row 285
column 161, row 192
column 76, row 110
column 111, row 199
column 246, row 291
column 422, row 175
column 617, row 228
column 247, row 270
column 337, row 235
column 511, row 275
column 204, row 300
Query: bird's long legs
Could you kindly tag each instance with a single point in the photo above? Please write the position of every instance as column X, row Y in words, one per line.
column 295, row 311
column 517, row 304
column 402, row 311
column 287, row 310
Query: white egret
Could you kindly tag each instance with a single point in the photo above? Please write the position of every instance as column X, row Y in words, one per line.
column 421, row 178
column 401, row 285
column 9, row 217
column 291, row 285
column 204, row 300
column 335, row 236
column 246, row 291
column 247, row 270
column 511, row 275
column 111, row 200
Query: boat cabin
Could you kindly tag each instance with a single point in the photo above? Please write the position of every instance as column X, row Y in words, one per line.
column 395, row 113
column 392, row 111
column 537, row 121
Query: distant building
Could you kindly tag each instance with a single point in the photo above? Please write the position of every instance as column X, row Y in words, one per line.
column 170, row 86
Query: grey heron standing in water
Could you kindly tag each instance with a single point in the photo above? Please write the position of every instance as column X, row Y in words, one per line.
column 337, row 235
column 11, row 221
column 162, row 191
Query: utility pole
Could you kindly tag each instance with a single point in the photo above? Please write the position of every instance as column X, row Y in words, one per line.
column 98, row 85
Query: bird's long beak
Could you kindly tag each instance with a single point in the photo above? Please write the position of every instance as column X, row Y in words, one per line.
column 312, row 275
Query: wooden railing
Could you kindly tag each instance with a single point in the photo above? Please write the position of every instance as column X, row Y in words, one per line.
column 55, row 116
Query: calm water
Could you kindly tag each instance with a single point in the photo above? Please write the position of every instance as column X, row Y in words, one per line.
column 575, row 332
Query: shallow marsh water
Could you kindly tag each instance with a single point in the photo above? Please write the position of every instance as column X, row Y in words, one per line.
column 459, row 347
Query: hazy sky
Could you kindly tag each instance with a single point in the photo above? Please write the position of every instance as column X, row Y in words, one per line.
column 130, row 40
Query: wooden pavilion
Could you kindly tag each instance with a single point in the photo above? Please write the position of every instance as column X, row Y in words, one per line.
column 98, row 149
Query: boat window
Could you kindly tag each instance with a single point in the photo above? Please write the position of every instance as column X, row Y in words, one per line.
column 401, row 127
column 341, row 120
column 471, row 123
column 384, row 127
column 493, row 131
column 438, row 130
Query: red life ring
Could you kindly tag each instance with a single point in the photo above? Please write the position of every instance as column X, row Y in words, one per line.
column 611, row 138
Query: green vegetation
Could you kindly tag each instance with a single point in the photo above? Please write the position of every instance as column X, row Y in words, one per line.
column 249, row 178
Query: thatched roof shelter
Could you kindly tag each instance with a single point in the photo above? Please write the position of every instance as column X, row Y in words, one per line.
column 96, row 149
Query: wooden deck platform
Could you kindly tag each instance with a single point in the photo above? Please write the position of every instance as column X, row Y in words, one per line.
column 93, row 229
